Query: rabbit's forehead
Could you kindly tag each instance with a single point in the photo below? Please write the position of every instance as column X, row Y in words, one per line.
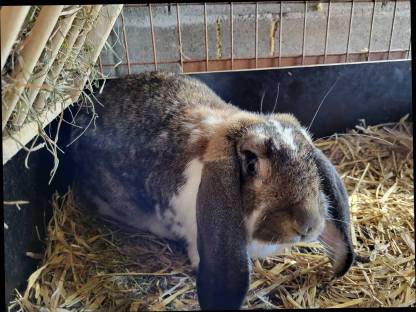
column 292, row 136
column 294, row 176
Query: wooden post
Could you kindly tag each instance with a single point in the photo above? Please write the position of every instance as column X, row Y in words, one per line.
column 12, row 18
column 32, row 49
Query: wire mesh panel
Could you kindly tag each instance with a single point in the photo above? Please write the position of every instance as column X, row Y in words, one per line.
column 198, row 37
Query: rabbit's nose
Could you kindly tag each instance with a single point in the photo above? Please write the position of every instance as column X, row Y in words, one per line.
column 305, row 228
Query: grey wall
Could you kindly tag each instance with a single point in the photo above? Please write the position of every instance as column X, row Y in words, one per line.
column 139, row 39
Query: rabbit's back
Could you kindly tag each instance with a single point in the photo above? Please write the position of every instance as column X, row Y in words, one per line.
column 148, row 105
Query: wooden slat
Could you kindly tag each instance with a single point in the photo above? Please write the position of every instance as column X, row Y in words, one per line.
column 12, row 18
column 52, row 51
column 59, row 63
column 97, row 37
column 270, row 62
column 32, row 49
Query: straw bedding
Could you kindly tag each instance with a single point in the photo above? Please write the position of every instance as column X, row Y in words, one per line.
column 91, row 266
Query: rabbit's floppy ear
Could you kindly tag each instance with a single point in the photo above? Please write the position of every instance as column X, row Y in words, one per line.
column 223, row 273
column 336, row 235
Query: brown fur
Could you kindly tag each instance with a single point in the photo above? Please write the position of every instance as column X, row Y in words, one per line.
column 287, row 118
column 221, row 141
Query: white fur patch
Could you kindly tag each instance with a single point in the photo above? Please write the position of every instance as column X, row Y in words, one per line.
column 184, row 209
column 306, row 134
column 253, row 219
column 251, row 222
column 257, row 249
column 195, row 135
column 163, row 135
column 260, row 135
column 285, row 134
column 212, row 120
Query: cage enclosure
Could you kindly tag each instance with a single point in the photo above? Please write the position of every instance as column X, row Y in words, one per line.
column 342, row 68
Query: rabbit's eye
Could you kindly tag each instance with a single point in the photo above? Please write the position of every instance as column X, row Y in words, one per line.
column 250, row 161
column 251, row 167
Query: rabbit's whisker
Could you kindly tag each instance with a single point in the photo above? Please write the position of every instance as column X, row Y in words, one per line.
column 328, row 240
column 329, row 216
column 261, row 102
column 277, row 96
column 328, row 250
column 338, row 220
column 323, row 100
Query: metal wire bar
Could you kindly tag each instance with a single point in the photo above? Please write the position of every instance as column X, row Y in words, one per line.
column 149, row 63
column 280, row 33
column 349, row 31
column 126, row 46
column 236, row 2
column 232, row 35
column 206, row 36
column 153, row 36
column 136, row 5
column 327, row 30
column 178, row 19
column 409, row 50
column 304, row 32
column 257, row 33
column 371, row 30
column 392, row 28
column 100, row 65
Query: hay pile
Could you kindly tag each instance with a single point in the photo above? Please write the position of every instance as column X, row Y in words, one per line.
column 89, row 267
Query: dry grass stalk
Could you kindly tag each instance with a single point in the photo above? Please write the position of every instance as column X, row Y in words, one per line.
column 91, row 266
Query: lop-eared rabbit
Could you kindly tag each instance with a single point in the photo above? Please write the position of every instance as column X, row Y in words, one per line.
column 169, row 156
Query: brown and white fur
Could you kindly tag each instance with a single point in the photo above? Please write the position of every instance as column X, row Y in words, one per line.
column 169, row 156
